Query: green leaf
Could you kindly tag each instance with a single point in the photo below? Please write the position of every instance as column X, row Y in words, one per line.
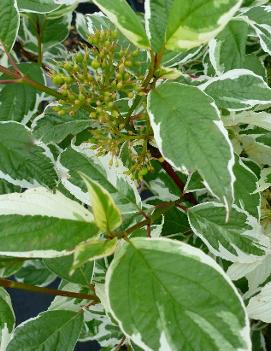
column 124, row 18
column 24, row 161
column 175, row 223
column 258, row 341
column 181, row 117
column 52, row 128
column 19, row 101
column 93, row 250
column 259, row 119
column 195, row 23
column 51, row 30
column 256, row 151
column 228, row 50
column 7, row 317
column 255, row 64
column 237, row 90
column 106, row 214
column 245, row 188
column 39, row 223
column 62, row 267
column 259, row 19
column 9, row 266
column 240, row 239
column 184, row 27
column 156, row 20
column 37, row 6
column 90, row 23
column 34, row 272
column 52, row 330
column 112, row 179
column 163, row 293
column 6, row 187
column 10, row 22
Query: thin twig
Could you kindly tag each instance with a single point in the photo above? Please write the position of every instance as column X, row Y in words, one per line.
column 12, row 62
column 6, row 283
column 173, row 175
column 120, row 344
column 9, row 81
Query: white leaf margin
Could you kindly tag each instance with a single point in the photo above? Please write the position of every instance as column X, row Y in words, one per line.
column 233, row 75
column 254, row 233
column 18, row 22
column 219, row 124
column 42, row 202
column 189, row 251
column 5, row 333
column 259, row 306
column 113, row 173
column 23, row 182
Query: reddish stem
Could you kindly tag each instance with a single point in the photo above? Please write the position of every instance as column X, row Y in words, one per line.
column 174, row 176
column 6, row 283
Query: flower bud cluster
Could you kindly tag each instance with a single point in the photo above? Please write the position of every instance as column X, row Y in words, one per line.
column 93, row 80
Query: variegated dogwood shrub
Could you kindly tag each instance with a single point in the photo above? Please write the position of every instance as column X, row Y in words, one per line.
column 135, row 168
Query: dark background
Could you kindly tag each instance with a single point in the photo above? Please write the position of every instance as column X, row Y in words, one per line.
column 26, row 304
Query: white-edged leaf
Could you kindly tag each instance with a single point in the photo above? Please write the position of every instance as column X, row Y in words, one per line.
column 107, row 216
column 227, row 51
column 195, row 23
column 9, row 266
column 7, row 319
column 10, row 22
column 53, row 29
column 156, row 21
column 34, row 272
column 82, row 159
column 62, row 267
column 173, row 118
column 259, row 119
column 52, row 128
column 24, row 161
column 162, row 280
column 260, row 304
column 52, row 330
column 256, row 151
column 93, row 250
column 39, row 223
column 124, row 18
column 43, row 202
column 260, row 20
column 97, row 325
column 37, row 6
column 256, row 273
column 265, row 180
column 19, row 102
column 245, row 189
column 237, row 90
column 240, row 239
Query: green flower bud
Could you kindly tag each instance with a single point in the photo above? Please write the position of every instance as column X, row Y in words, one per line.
column 68, row 80
column 58, row 79
column 81, row 97
column 61, row 113
column 67, row 66
column 120, row 85
column 95, row 64
column 79, row 57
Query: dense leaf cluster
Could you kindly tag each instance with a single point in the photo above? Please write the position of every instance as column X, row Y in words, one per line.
column 96, row 111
